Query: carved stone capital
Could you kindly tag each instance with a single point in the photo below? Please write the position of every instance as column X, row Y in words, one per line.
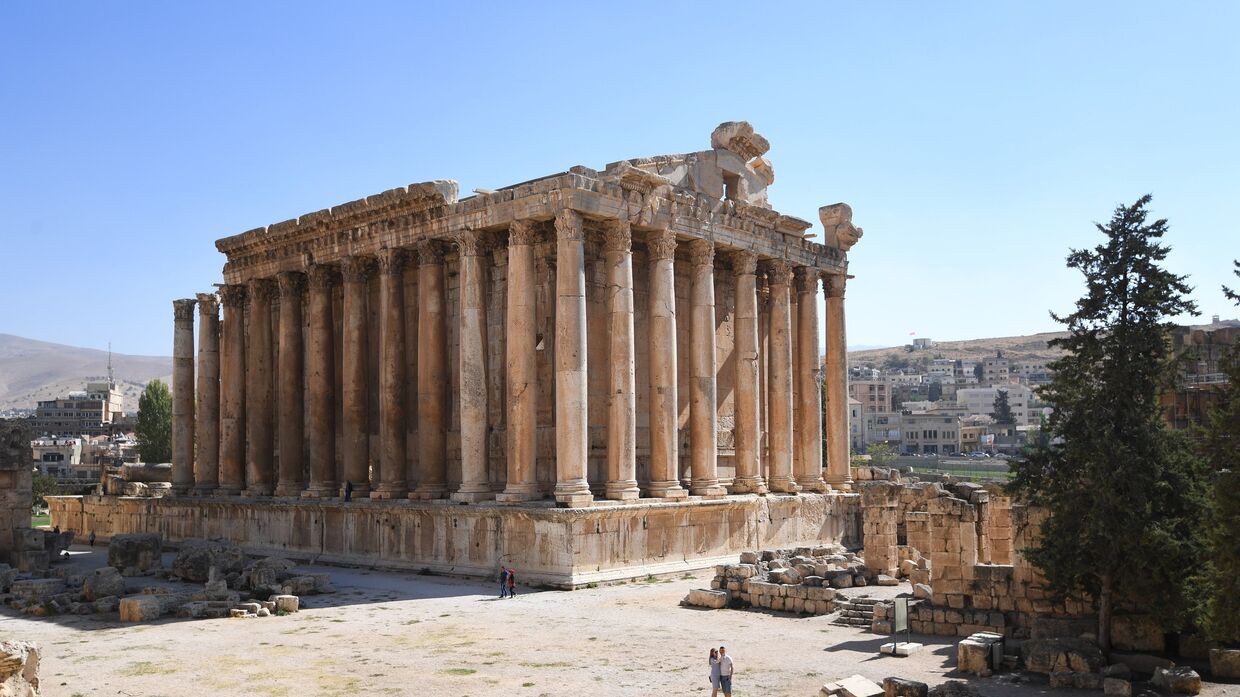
column 807, row 279
column 208, row 305
column 392, row 261
column 834, row 283
column 263, row 290
column 744, row 263
column 522, row 232
column 661, row 244
column 234, row 295
column 357, row 269
column 472, row 243
column 322, row 276
column 702, row 253
column 183, row 309
column 617, row 236
column 292, row 283
column 429, row 252
column 778, row 272
column 837, row 227
column 569, row 226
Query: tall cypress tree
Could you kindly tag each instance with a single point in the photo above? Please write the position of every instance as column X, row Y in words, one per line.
column 1001, row 410
column 1123, row 492
column 154, row 427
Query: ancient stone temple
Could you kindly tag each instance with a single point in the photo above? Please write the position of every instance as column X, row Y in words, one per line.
column 593, row 348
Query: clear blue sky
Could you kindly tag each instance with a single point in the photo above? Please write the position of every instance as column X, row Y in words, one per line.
column 976, row 142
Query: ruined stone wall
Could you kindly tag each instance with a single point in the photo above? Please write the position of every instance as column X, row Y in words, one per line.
column 16, row 485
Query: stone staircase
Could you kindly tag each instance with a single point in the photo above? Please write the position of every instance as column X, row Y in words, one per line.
column 854, row 612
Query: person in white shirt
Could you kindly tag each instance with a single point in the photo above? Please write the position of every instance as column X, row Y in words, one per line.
column 725, row 672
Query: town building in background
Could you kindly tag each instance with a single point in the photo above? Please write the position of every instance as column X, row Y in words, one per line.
column 91, row 412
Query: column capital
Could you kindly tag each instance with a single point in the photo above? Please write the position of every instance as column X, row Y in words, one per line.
column 569, row 225
column 744, row 263
column 778, row 271
column 472, row 243
column 806, row 279
column 429, row 252
column 834, row 284
column 263, row 289
column 617, row 235
column 234, row 294
column 322, row 276
column 357, row 269
column 291, row 282
column 523, row 231
column 208, row 304
column 701, row 253
column 661, row 244
column 183, row 309
column 392, row 260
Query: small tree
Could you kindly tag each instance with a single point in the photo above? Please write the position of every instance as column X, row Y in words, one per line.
column 881, row 454
column 44, row 485
column 1002, row 410
column 154, row 427
column 977, row 371
column 1123, row 494
column 935, row 393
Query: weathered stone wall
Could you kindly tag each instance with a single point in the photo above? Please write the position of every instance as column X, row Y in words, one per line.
column 558, row 547
column 16, row 493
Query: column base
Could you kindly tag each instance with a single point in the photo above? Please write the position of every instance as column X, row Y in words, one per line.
column 289, row 490
column 667, row 490
column 784, row 485
column 204, row 490
column 518, row 493
column 709, row 489
column 841, row 485
column 474, row 495
column 321, row 491
column 814, row 484
column 255, row 492
column 573, row 493
column 394, row 490
column 749, row 485
column 624, row 490
column 227, row 490
column 359, row 492
column 429, row 493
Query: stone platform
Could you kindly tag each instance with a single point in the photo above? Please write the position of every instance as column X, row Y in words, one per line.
column 557, row 547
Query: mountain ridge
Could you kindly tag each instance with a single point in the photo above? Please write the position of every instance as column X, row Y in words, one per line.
column 32, row 370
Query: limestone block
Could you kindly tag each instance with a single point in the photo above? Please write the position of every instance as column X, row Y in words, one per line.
column 238, row 613
column 812, row 581
column 841, row 579
column 140, row 608
column 1116, row 687
column 907, row 567
column 268, row 572
column 138, row 551
column 885, row 580
column 263, row 612
column 307, row 584
column 1061, row 655
column 1225, row 663
column 196, row 558
column 899, row 687
column 111, row 603
column 250, row 608
column 1136, row 633
column 103, row 582
column 922, row 591
column 194, row 609
column 858, row 686
column 1180, row 680
column 973, row 653
column 19, row 669
column 880, row 626
column 697, row 597
column 7, row 576
column 749, row 557
column 37, row 589
column 953, row 688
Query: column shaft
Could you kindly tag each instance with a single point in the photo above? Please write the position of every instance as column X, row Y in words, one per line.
column 260, row 421
column 664, row 453
column 472, row 357
column 703, row 415
column 232, row 392
column 207, row 436
column 321, row 385
column 291, row 419
column 622, row 392
column 356, row 433
column 838, row 472
column 780, row 380
column 808, row 458
column 433, row 373
column 521, row 338
column 393, row 439
column 183, row 395
column 571, row 418
column 748, row 478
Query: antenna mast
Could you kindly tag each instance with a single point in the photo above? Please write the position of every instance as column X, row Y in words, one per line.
column 111, row 380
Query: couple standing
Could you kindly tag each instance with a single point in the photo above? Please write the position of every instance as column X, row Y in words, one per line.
column 507, row 582
column 720, row 672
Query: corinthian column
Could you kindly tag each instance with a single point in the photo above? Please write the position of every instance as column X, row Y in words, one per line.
column 183, row 395
column 232, row 393
column 356, row 453
column 748, row 478
column 291, row 418
column 808, row 458
column 207, row 441
column 703, row 419
column 432, row 373
column 392, row 436
column 780, row 381
column 572, row 443
column 521, row 336
column 664, row 453
column 321, row 385
column 259, row 424
column 472, row 356
column 622, row 394
column 838, row 472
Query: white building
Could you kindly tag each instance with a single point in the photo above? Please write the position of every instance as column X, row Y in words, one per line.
column 856, row 425
column 981, row 400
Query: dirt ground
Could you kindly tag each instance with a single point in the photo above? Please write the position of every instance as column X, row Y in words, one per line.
column 388, row 633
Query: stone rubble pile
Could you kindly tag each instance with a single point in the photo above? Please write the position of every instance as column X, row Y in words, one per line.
column 802, row 580
column 19, row 669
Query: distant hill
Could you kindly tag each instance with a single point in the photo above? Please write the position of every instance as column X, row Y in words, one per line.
column 32, row 370
column 1031, row 347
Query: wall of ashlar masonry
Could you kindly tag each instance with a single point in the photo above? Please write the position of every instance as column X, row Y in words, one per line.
column 879, row 505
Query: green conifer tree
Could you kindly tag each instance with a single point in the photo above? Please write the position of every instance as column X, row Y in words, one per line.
column 154, row 427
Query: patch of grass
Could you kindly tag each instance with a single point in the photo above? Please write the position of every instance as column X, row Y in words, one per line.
column 524, row 684
column 459, row 671
column 39, row 520
column 556, row 664
column 146, row 668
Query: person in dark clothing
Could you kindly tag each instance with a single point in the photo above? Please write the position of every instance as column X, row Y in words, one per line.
column 91, row 539
column 512, row 583
column 348, row 491
column 503, row 581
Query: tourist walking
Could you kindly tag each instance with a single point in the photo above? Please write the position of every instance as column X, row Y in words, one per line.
column 725, row 672
column 512, row 583
column 92, row 538
column 503, row 581
column 714, row 672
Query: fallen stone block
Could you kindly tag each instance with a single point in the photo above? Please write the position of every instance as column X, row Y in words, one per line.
column 37, row 589
column 140, row 608
column 899, row 687
column 749, row 558
column 973, row 653
column 19, row 669
column 7, row 576
column 1116, row 687
column 922, row 592
column 307, row 584
column 1180, row 680
column 291, row 603
column 858, row 686
column 1225, row 663
column 954, row 688
column 136, row 552
column 196, row 558
column 900, row 648
column 102, row 583
column 885, row 580
column 237, row 613
column 697, row 597
column 111, row 603
column 1061, row 655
